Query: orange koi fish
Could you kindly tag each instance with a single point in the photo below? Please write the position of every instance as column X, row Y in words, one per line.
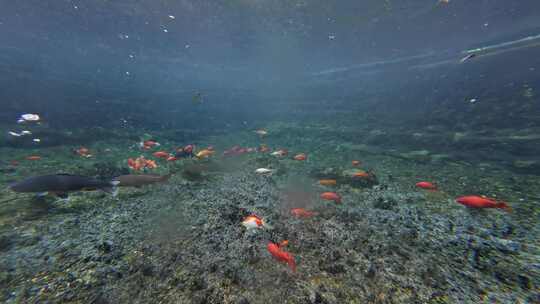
column 281, row 255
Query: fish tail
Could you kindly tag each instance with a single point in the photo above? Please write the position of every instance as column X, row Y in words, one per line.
column 166, row 177
column 292, row 263
column 111, row 188
column 504, row 206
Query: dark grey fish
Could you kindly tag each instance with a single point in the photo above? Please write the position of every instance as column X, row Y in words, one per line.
column 61, row 184
column 137, row 180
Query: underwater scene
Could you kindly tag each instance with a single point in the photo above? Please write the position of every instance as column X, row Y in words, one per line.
column 270, row 151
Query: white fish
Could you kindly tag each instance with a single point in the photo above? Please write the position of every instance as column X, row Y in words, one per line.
column 261, row 132
column 264, row 171
column 26, row 132
column 255, row 222
column 28, row 117
column 279, row 153
column 36, row 140
column 14, row 134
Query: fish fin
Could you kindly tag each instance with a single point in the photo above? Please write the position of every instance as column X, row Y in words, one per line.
column 267, row 226
column 504, row 206
column 292, row 263
column 114, row 191
column 166, row 177
column 111, row 188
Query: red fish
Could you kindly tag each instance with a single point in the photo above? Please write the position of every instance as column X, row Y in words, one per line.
column 188, row 148
column 475, row 201
column 426, row 185
column 356, row 163
column 302, row 213
column 141, row 163
column 172, row 158
column 82, row 151
column 161, row 154
column 301, row 156
column 264, row 148
column 148, row 144
column 281, row 255
column 33, row 157
column 331, row 196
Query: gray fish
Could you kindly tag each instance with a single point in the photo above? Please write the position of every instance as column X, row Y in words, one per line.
column 137, row 180
column 61, row 184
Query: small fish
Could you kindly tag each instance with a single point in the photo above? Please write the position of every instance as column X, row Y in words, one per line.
column 253, row 222
column 28, row 118
column 186, row 151
column 280, row 153
column 264, row 171
column 61, row 184
column 475, row 201
column 356, row 163
column 84, row 152
column 331, row 196
column 264, row 148
column 161, row 154
column 198, row 98
column 137, row 180
column 148, row 144
column 36, row 140
column 426, row 185
column 328, row 182
column 235, row 151
column 33, row 157
column 15, row 134
column 26, row 132
column 360, row 174
column 301, row 156
column 151, row 164
column 141, row 163
column 302, row 213
column 204, row 153
column 281, row 255
column 261, row 132
column 172, row 158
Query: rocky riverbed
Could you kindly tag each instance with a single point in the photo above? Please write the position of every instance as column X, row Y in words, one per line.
column 182, row 242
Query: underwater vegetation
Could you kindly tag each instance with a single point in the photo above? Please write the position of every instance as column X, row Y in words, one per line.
column 341, row 225
column 270, row 151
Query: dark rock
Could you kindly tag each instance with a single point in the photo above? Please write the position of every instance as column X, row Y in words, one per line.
column 317, row 298
column 372, row 271
column 106, row 246
column 334, row 268
column 196, row 284
column 524, row 282
column 5, row 242
column 242, row 300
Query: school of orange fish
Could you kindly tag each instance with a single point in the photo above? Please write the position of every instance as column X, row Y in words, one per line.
column 254, row 221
